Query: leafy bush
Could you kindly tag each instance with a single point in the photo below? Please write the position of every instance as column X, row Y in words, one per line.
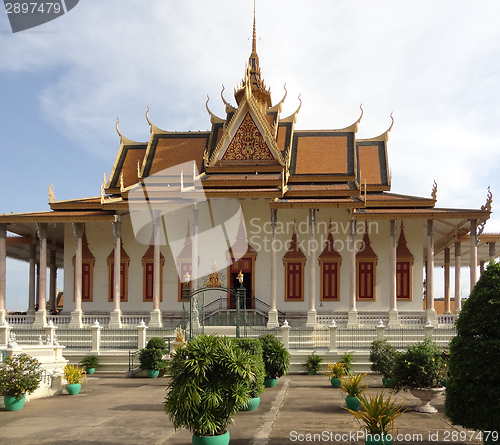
column 313, row 363
column 254, row 347
column 90, row 361
column 383, row 356
column 346, row 360
column 151, row 359
column 209, row 381
column 276, row 357
column 19, row 374
column 156, row 343
column 473, row 383
column 421, row 366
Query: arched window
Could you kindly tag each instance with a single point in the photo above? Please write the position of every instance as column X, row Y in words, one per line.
column 404, row 268
column 366, row 269
column 88, row 263
column 329, row 263
column 294, row 261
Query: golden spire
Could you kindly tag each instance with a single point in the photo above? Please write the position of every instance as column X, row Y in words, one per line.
column 253, row 76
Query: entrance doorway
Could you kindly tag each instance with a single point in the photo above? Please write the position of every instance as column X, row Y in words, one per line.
column 245, row 265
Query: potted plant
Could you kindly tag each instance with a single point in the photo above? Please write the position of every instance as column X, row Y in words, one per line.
column 208, row 381
column 313, row 363
column 74, row 375
column 473, row 383
column 254, row 347
column 19, row 375
column 383, row 356
column 90, row 363
column 335, row 372
column 420, row 370
column 276, row 359
column 353, row 387
column 151, row 357
column 346, row 360
column 377, row 416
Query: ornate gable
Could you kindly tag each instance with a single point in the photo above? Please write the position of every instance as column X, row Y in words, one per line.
column 248, row 143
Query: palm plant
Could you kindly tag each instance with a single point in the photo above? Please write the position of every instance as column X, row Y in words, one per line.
column 276, row 357
column 209, row 380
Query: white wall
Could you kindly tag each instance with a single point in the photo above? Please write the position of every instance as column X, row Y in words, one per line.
column 257, row 220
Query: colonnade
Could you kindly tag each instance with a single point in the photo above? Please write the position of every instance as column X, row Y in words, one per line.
column 156, row 319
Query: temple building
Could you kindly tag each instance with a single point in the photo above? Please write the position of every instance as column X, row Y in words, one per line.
column 316, row 232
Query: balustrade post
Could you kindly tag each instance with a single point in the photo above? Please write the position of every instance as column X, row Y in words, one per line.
column 285, row 332
column 141, row 335
column 333, row 336
column 429, row 330
column 380, row 330
column 96, row 337
column 4, row 333
column 50, row 332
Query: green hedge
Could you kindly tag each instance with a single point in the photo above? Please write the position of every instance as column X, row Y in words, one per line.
column 473, row 385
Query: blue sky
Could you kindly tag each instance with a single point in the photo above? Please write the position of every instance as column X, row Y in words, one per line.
column 436, row 65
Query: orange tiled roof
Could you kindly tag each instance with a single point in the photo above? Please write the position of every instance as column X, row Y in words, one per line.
column 321, row 155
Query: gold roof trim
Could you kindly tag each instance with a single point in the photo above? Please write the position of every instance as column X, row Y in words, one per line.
column 384, row 137
column 214, row 119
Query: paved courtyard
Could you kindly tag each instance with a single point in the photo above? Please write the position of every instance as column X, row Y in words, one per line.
column 300, row 409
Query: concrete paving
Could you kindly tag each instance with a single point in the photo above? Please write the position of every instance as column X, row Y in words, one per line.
column 300, row 409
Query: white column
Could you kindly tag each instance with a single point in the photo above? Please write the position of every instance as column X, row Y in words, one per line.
column 76, row 315
column 32, row 280
column 430, row 312
column 3, row 271
column 115, row 318
column 194, row 250
column 458, row 291
column 312, row 248
column 52, row 281
column 155, row 314
column 353, row 312
column 41, row 314
column 272, row 318
column 447, row 309
column 492, row 251
column 473, row 253
column 393, row 309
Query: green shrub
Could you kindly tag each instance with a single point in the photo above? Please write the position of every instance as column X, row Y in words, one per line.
column 276, row 357
column 421, row 366
column 383, row 357
column 473, row 384
column 209, row 381
column 19, row 374
column 346, row 360
column 313, row 363
column 151, row 359
column 254, row 347
column 90, row 361
column 156, row 343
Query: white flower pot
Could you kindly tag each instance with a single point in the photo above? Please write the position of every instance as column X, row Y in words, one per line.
column 426, row 395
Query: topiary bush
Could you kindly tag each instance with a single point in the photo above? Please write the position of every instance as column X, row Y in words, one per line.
column 254, row 347
column 473, row 384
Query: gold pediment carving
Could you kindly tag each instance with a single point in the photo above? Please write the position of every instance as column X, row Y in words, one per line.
column 248, row 143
